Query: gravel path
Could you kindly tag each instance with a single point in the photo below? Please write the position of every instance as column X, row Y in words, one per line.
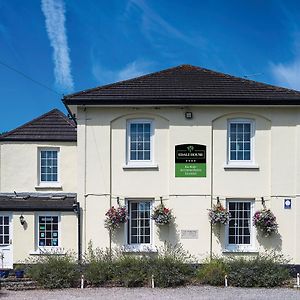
column 191, row 292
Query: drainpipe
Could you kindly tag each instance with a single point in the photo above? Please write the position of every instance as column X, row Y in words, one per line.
column 211, row 189
column 76, row 208
column 110, row 182
column 85, row 171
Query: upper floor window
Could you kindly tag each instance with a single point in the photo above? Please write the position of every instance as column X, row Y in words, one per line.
column 139, row 141
column 49, row 165
column 240, row 140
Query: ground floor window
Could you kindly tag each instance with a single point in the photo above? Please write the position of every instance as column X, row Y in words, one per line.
column 239, row 229
column 139, row 222
column 48, row 230
column 4, row 230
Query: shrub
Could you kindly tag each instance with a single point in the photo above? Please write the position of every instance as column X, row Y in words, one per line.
column 171, row 267
column 98, row 266
column 54, row 271
column 264, row 270
column 131, row 271
column 212, row 272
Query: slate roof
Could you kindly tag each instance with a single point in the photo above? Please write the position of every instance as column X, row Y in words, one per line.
column 184, row 85
column 52, row 126
column 37, row 202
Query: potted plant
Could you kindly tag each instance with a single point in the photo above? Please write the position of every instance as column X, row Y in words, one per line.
column 4, row 273
column 19, row 271
column 162, row 215
column 218, row 214
column 265, row 221
column 115, row 217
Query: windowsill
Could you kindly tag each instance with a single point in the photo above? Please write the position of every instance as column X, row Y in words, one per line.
column 50, row 251
column 241, row 167
column 138, row 167
column 245, row 250
column 144, row 248
column 48, row 187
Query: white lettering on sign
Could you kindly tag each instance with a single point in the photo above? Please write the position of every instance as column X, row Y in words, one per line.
column 189, row 234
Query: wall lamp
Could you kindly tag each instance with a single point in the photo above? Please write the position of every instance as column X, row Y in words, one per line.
column 22, row 220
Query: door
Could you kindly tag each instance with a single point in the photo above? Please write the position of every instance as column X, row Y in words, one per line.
column 6, row 257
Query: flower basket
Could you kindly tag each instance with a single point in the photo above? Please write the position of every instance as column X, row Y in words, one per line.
column 162, row 215
column 115, row 217
column 218, row 214
column 265, row 221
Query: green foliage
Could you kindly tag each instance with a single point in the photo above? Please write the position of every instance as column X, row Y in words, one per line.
column 213, row 272
column 131, row 271
column 171, row 267
column 264, row 270
column 53, row 271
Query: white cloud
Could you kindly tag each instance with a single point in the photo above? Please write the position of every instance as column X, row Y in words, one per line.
column 287, row 75
column 131, row 70
column 54, row 11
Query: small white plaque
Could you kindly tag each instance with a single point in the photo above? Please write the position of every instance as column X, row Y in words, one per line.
column 189, row 234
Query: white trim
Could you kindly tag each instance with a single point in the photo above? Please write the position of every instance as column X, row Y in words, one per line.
column 46, row 249
column 8, row 247
column 142, row 163
column 48, row 184
column 132, row 167
column 140, row 247
column 241, row 247
column 245, row 167
column 240, row 163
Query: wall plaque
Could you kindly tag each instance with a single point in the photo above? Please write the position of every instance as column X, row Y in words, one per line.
column 190, row 160
column 189, row 234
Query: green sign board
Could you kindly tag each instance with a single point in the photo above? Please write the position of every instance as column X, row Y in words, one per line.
column 190, row 160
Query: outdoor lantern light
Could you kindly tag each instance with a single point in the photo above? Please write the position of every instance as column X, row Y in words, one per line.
column 188, row 115
column 22, row 220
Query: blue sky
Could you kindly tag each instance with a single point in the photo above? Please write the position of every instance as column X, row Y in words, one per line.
column 71, row 45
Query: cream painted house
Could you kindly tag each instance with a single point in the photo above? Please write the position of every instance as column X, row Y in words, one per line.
column 131, row 147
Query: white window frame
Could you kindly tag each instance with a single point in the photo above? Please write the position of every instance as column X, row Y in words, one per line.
column 46, row 249
column 140, row 163
column 48, row 183
column 140, row 247
column 252, row 140
column 241, row 247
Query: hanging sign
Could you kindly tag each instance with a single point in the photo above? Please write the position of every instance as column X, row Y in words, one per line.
column 190, row 160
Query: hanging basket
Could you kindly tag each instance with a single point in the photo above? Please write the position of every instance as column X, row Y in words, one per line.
column 218, row 215
column 115, row 217
column 162, row 215
column 265, row 221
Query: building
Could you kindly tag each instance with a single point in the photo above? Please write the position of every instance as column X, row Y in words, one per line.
column 125, row 149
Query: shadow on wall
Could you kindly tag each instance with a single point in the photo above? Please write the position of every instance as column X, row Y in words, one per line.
column 169, row 233
column 273, row 242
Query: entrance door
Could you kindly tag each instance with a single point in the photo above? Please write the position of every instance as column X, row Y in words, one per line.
column 6, row 257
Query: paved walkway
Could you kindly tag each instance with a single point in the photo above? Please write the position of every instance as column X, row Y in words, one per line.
column 191, row 292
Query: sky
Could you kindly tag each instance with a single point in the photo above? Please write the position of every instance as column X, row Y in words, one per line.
column 53, row 47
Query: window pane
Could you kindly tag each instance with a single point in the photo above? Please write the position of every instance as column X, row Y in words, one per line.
column 48, row 165
column 239, row 231
column 139, row 222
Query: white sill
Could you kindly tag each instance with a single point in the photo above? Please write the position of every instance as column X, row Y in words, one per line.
column 49, row 251
column 141, row 248
column 241, row 167
column 137, row 167
column 48, row 186
column 245, row 250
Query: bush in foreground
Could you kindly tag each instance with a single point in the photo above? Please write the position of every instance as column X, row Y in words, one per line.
column 54, row 271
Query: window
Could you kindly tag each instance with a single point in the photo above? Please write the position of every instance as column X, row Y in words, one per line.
column 139, row 222
column 48, row 165
column 4, row 230
column 139, row 140
column 48, row 230
column 240, row 141
column 239, row 229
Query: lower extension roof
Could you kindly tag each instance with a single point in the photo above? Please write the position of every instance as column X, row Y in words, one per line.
column 185, row 85
column 37, row 201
